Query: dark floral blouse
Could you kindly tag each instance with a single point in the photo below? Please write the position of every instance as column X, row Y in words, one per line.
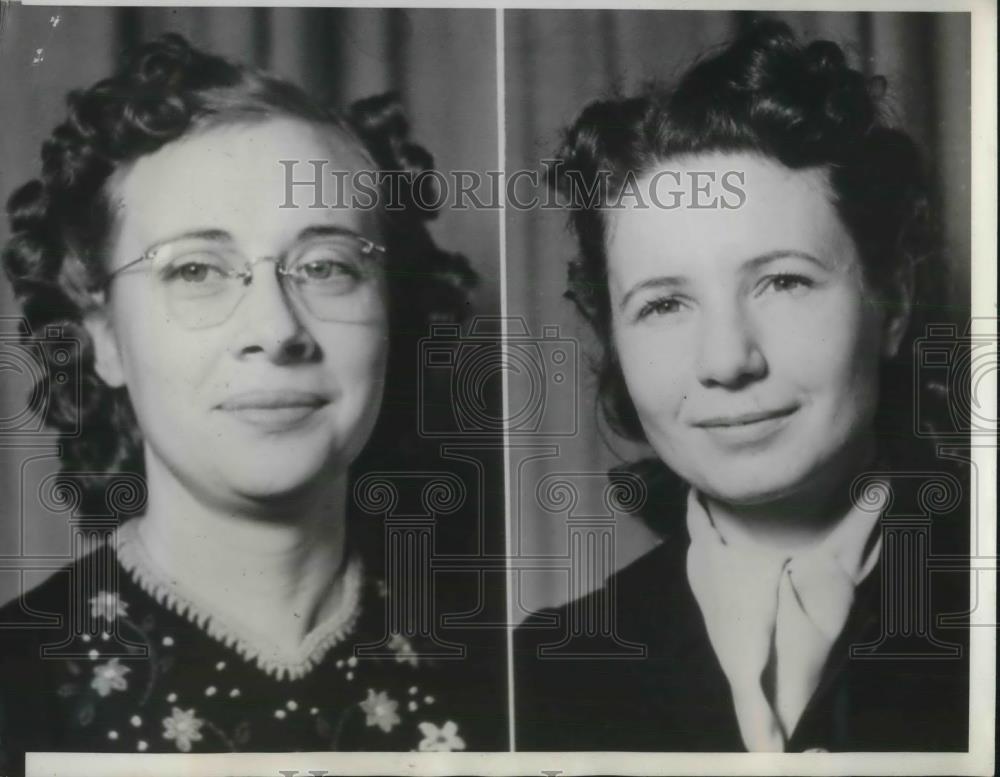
column 134, row 666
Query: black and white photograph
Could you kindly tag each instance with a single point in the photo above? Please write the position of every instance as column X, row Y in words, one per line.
column 228, row 376
column 497, row 389
column 755, row 256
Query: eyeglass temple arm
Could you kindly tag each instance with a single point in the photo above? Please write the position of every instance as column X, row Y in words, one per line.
column 371, row 245
column 114, row 273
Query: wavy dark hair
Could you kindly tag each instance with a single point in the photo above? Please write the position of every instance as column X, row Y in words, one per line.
column 802, row 105
column 62, row 221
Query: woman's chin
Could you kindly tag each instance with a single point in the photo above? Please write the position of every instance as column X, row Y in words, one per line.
column 750, row 486
column 276, row 481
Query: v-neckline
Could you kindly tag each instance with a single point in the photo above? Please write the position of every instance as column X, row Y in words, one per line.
column 276, row 661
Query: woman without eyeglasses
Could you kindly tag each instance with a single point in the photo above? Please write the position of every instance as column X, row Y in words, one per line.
column 238, row 349
column 761, row 347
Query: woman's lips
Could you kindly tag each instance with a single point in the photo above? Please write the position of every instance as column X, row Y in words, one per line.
column 273, row 410
column 744, row 419
column 746, row 428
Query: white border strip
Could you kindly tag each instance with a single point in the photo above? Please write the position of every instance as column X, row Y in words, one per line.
column 363, row 764
column 983, row 637
column 501, row 68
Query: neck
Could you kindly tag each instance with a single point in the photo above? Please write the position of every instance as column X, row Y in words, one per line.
column 797, row 520
column 272, row 569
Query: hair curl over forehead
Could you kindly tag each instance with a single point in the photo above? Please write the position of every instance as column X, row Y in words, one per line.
column 765, row 93
column 62, row 223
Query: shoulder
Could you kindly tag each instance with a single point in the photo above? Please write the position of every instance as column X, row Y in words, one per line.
column 42, row 614
column 650, row 491
column 660, row 573
column 47, row 613
column 581, row 669
column 39, row 607
column 932, row 497
column 442, row 679
column 37, row 620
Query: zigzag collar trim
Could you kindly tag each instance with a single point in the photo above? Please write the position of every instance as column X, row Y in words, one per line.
column 277, row 662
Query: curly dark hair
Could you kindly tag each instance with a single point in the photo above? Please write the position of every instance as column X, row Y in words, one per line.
column 61, row 224
column 801, row 105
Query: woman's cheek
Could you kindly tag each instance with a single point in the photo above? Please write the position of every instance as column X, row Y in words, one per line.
column 654, row 375
column 355, row 363
column 824, row 345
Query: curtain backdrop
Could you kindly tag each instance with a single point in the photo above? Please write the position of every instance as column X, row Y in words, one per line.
column 556, row 62
column 441, row 62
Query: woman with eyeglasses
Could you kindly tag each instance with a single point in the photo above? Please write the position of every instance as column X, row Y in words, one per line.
column 756, row 267
column 246, row 353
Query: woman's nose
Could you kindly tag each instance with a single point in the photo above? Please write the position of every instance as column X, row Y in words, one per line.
column 269, row 322
column 729, row 351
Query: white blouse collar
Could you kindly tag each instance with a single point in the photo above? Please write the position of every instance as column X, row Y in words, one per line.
column 784, row 610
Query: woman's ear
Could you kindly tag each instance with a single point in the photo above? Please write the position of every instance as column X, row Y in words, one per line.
column 901, row 307
column 107, row 355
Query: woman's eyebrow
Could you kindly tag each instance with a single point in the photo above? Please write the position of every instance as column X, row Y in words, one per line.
column 211, row 235
column 325, row 230
column 756, row 262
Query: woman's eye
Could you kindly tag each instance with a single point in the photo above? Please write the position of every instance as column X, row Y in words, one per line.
column 658, row 307
column 788, row 283
column 325, row 270
column 192, row 271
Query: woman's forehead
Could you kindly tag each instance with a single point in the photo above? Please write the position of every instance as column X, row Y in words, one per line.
column 699, row 213
column 262, row 182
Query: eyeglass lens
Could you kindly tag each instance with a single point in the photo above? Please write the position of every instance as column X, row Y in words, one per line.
column 332, row 278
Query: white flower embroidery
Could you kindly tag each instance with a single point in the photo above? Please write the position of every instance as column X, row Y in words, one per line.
column 110, row 677
column 183, row 727
column 440, row 739
column 403, row 649
column 380, row 710
column 108, row 605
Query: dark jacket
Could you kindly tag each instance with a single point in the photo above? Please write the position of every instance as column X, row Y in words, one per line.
column 652, row 681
